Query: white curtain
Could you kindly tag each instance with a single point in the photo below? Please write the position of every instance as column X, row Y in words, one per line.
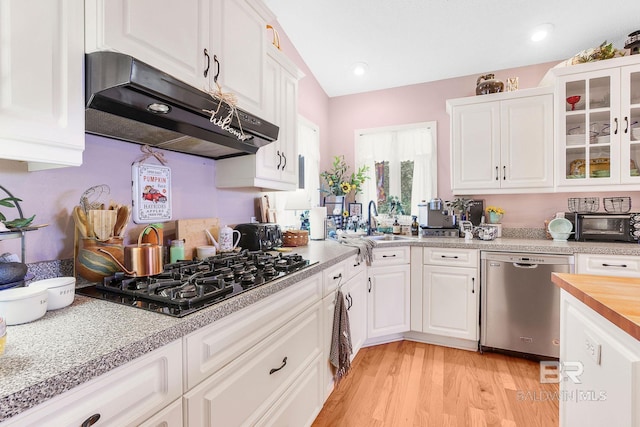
column 416, row 142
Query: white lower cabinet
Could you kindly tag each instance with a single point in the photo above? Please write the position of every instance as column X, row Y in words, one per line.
column 389, row 292
column 450, row 301
column 302, row 403
column 608, row 265
column 126, row 396
column 445, row 291
column 171, row 416
column 244, row 390
column 600, row 376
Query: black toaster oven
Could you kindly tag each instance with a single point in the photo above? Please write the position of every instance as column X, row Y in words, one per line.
column 602, row 227
column 259, row 236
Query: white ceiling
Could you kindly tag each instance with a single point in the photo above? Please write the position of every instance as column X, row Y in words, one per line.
column 414, row 41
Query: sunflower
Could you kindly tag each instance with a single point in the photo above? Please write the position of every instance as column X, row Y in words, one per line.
column 345, row 187
column 345, row 214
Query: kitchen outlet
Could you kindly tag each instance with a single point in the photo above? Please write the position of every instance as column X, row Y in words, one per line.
column 592, row 347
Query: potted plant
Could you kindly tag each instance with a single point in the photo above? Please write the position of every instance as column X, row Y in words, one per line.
column 494, row 214
column 339, row 183
column 460, row 205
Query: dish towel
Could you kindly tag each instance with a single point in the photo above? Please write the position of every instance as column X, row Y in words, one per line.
column 365, row 247
column 340, row 355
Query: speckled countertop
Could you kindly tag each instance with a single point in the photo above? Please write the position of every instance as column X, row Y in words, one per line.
column 70, row 346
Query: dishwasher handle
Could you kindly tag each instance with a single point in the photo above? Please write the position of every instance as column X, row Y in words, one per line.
column 524, row 265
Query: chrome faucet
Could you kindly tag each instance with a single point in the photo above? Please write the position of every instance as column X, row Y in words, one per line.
column 371, row 204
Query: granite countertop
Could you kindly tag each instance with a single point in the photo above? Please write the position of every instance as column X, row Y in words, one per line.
column 70, row 346
column 617, row 299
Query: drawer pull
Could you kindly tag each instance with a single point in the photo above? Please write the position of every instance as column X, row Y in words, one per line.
column 473, row 285
column 369, row 284
column 91, row 420
column 447, row 256
column 206, row 70
column 274, row 370
column 389, row 256
column 339, row 276
column 614, row 265
column 349, row 301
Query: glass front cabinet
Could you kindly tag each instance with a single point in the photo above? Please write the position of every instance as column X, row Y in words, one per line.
column 598, row 129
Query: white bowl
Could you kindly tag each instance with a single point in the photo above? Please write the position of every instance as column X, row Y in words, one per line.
column 636, row 133
column 560, row 225
column 22, row 305
column 61, row 290
column 560, row 236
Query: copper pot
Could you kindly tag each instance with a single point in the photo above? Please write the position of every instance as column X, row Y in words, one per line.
column 143, row 259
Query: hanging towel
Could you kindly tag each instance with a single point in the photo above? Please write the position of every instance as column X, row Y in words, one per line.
column 340, row 355
column 365, row 247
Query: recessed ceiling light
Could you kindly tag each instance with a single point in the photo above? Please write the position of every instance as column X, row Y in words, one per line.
column 359, row 68
column 541, row 32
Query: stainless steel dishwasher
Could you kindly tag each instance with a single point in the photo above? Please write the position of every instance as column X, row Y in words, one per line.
column 520, row 306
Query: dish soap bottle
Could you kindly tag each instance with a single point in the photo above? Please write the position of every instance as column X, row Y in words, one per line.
column 396, row 226
column 414, row 226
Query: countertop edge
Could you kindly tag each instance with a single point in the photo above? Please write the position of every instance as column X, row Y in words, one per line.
column 564, row 281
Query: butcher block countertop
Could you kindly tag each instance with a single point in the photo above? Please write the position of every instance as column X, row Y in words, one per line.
column 617, row 299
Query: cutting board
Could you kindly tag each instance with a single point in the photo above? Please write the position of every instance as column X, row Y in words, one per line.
column 192, row 231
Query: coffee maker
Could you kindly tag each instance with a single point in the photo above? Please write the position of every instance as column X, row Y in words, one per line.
column 435, row 215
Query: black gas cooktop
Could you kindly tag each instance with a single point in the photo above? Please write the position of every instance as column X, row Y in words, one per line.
column 185, row 287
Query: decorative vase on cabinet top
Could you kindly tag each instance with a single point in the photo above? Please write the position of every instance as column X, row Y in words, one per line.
column 488, row 84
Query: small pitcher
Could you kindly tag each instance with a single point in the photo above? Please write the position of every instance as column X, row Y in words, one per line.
column 227, row 242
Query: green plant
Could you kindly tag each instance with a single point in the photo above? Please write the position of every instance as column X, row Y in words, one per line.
column 339, row 181
column 459, row 204
column 395, row 206
column 604, row 51
column 9, row 202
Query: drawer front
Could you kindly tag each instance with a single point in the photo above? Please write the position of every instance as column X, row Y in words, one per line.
column 302, row 403
column 334, row 276
column 171, row 416
column 245, row 389
column 211, row 348
column 608, row 265
column 128, row 395
column 354, row 267
column 391, row 256
column 452, row 257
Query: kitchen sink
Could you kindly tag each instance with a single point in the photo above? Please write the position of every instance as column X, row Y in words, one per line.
column 388, row 238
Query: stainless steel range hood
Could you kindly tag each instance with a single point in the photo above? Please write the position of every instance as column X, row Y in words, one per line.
column 129, row 100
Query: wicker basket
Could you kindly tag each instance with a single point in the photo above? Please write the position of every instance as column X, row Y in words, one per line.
column 584, row 204
column 295, row 238
column 617, row 205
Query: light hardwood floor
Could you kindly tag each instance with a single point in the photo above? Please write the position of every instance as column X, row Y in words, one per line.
column 413, row 384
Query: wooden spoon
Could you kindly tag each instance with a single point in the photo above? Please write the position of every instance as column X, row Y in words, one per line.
column 80, row 219
column 103, row 221
column 122, row 220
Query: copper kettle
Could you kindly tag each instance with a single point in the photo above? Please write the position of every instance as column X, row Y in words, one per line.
column 143, row 259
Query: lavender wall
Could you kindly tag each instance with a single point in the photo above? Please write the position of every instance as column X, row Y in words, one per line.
column 52, row 194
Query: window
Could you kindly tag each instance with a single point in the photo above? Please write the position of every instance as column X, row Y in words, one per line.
column 402, row 165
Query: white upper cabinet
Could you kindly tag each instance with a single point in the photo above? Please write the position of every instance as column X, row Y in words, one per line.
column 42, row 99
column 598, row 106
column 197, row 41
column 274, row 166
column 502, row 143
